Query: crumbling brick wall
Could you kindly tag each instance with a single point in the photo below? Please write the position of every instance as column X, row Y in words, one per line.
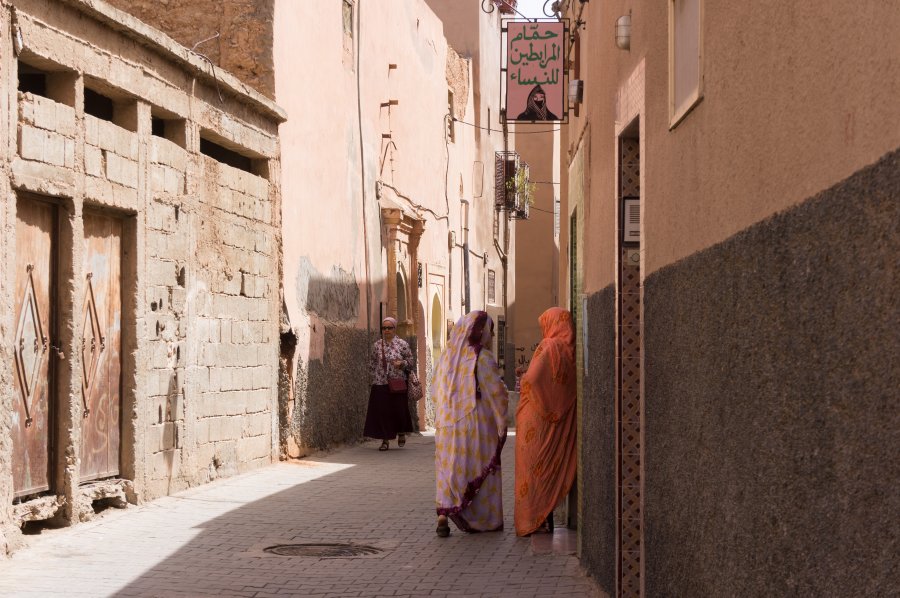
column 245, row 27
column 120, row 121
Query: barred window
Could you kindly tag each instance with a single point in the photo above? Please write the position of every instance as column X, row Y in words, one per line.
column 501, row 342
column 492, row 287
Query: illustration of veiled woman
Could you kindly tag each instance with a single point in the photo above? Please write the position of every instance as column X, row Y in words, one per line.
column 536, row 108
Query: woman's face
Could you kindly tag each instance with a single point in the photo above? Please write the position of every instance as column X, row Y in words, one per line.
column 387, row 330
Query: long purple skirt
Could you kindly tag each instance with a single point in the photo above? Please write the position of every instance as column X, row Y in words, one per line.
column 388, row 414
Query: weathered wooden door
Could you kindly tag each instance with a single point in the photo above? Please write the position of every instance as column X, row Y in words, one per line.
column 32, row 410
column 101, row 347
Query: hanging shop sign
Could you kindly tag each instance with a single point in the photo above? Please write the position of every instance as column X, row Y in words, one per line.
column 535, row 73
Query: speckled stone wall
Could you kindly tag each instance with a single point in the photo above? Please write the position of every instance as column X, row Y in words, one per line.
column 597, row 524
column 331, row 394
column 771, row 393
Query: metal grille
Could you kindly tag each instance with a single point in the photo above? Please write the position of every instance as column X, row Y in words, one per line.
column 492, row 287
column 630, row 398
column 505, row 166
column 328, row 551
column 506, row 195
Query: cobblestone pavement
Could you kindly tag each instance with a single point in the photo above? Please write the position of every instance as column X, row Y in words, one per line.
column 209, row 540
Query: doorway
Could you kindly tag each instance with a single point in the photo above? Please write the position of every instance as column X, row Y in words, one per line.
column 629, row 387
column 35, row 320
column 437, row 330
column 101, row 346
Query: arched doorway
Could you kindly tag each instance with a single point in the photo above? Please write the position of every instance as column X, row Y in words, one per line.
column 437, row 329
column 401, row 298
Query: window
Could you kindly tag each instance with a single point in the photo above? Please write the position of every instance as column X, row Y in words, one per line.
column 59, row 86
column 573, row 266
column 685, row 57
column 213, row 146
column 492, row 287
column 556, row 208
column 115, row 108
column 98, row 105
column 168, row 126
column 501, row 342
column 451, row 131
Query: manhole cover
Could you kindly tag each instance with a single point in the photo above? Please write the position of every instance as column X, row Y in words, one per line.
column 323, row 550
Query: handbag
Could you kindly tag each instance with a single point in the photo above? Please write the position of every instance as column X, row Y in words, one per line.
column 414, row 386
column 395, row 385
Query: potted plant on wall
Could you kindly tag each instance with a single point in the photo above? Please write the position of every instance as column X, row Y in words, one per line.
column 520, row 190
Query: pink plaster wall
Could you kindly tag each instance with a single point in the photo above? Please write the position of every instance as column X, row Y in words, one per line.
column 316, row 80
column 796, row 97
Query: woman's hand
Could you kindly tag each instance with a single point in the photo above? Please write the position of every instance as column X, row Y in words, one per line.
column 398, row 363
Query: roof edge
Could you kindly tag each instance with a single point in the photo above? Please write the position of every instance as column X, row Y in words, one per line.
column 156, row 39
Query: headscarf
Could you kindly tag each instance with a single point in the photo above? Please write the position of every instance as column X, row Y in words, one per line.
column 455, row 384
column 559, row 338
column 546, row 455
column 541, row 110
column 391, row 320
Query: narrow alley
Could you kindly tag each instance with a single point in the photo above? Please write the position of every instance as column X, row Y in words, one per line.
column 243, row 242
column 210, row 540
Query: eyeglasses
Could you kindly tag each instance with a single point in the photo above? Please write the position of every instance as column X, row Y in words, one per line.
column 387, row 327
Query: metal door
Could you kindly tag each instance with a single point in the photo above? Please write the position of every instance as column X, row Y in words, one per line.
column 31, row 414
column 101, row 347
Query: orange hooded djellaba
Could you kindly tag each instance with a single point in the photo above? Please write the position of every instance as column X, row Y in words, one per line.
column 545, row 424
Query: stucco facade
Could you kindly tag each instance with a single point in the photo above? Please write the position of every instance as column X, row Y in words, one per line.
column 139, row 286
column 380, row 211
column 537, row 237
column 733, row 414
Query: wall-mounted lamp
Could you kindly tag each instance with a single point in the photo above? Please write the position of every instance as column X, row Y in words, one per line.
column 576, row 91
column 623, row 32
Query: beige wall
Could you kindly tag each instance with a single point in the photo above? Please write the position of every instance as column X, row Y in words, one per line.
column 537, row 250
column 796, row 97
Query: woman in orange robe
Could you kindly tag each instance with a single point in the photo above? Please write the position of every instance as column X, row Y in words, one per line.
column 545, row 424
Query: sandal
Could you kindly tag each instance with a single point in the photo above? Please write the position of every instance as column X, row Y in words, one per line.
column 443, row 528
column 401, row 440
column 384, row 445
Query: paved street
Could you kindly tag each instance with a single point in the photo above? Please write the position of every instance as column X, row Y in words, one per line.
column 210, row 540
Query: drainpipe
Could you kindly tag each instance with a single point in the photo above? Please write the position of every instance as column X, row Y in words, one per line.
column 505, row 251
column 362, row 171
column 465, row 203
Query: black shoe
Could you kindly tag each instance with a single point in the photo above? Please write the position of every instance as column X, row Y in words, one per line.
column 443, row 528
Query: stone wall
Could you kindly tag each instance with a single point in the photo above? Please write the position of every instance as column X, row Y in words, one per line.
column 597, row 482
column 331, row 393
column 245, row 28
column 771, row 403
column 200, row 251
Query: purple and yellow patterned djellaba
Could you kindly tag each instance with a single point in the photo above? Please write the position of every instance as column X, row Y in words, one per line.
column 471, row 404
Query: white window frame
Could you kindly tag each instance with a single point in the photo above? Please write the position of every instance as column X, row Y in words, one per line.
column 678, row 113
